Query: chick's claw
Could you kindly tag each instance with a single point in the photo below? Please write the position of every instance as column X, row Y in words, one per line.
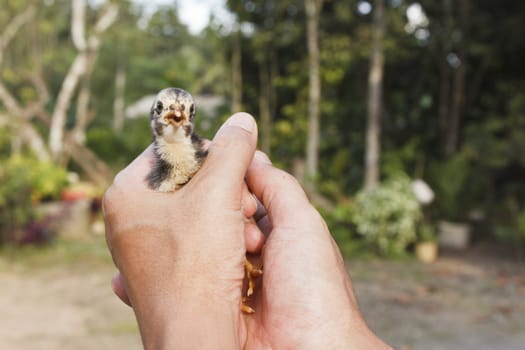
column 252, row 272
column 245, row 308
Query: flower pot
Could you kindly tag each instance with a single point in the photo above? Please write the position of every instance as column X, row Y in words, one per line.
column 453, row 235
column 427, row 252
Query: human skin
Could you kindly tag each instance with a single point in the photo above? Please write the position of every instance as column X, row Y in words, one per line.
column 180, row 256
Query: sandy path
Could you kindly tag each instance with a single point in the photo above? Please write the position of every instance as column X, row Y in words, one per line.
column 453, row 304
column 63, row 309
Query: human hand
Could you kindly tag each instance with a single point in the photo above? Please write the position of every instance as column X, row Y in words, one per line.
column 306, row 300
column 181, row 255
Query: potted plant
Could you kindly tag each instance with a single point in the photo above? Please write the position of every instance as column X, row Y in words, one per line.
column 426, row 248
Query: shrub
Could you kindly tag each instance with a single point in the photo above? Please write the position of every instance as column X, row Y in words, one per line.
column 25, row 181
column 458, row 186
column 388, row 215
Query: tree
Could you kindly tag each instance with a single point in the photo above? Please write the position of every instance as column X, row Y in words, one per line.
column 236, row 67
column 313, row 8
column 61, row 142
column 375, row 87
column 80, row 68
column 458, row 90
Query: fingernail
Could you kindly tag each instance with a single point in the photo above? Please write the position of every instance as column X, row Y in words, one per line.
column 262, row 157
column 243, row 121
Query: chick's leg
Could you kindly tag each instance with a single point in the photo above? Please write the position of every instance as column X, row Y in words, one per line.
column 252, row 273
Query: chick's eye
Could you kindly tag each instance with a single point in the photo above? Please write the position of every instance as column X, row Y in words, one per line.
column 159, row 107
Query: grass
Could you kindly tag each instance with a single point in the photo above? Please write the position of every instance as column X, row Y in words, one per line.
column 73, row 252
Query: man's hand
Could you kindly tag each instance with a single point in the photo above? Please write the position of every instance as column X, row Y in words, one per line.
column 181, row 255
column 307, row 300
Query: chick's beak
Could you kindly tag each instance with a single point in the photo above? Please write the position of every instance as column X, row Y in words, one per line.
column 174, row 119
column 175, row 116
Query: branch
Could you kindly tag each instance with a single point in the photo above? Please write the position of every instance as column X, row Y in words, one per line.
column 35, row 141
column 9, row 101
column 83, row 115
column 28, row 133
column 78, row 19
column 107, row 18
column 41, row 87
column 13, row 27
column 56, row 132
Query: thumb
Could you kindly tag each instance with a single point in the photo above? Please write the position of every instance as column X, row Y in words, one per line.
column 231, row 152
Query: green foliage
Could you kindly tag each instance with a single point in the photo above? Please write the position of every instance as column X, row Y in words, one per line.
column 15, row 198
column 521, row 223
column 25, row 181
column 48, row 180
column 44, row 180
column 387, row 216
column 118, row 149
column 401, row 159
column 426, row 233
column 457, row 186
column 339, row 221
column 5, row 142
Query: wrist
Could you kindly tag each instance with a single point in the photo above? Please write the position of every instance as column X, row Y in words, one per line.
column 189, row 323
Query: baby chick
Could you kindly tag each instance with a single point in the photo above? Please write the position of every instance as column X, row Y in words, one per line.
column 178, row 149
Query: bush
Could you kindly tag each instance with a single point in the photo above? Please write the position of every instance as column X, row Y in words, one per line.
column 25, row 181
column 340, row 225
column 388, row 215
column 459, row 187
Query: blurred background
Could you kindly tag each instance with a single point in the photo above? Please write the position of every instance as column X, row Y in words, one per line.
column 404, row 120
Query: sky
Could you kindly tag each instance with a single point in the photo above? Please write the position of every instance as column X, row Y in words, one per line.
column 194, row 13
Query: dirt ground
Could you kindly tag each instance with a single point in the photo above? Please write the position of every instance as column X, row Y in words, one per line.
column 458, row 303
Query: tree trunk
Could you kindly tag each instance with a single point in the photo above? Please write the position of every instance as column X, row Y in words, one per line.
column 58, row 119
column 118, row 103
column 313, row 8
column 265, row 106
column 237, row 72
column 87, row 52
column 375, row 87
column 458, row 88
column 83, row 115
column 445, row 84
